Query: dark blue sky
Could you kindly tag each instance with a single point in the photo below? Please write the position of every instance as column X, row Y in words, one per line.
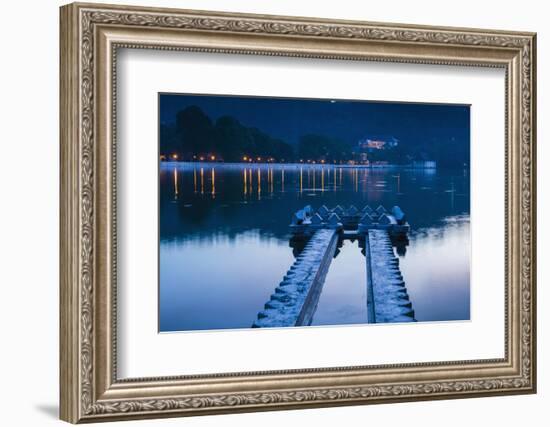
column 290, row 118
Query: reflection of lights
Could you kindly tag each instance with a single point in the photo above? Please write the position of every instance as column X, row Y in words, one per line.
column 175, row 183
column 259, row 184
column 202, row 181
column 301, row 180
column 283, row 180
column 245, row 186
column 213, row 184
column 195, row 180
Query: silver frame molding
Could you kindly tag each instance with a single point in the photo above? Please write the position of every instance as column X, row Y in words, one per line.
column 90, row 37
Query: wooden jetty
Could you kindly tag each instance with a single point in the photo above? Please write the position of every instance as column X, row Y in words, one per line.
column 387, row 297
column 295, row 299
column 305, row 221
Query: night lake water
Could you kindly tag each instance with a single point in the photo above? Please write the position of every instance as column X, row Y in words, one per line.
column 224, row 240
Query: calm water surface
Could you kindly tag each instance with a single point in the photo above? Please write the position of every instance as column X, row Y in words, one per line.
column 224, row 241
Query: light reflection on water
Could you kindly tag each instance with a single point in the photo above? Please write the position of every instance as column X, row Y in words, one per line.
column 224, row 239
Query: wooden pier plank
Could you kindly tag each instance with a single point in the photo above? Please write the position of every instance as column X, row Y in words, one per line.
column 385, row 285
column 295, row 299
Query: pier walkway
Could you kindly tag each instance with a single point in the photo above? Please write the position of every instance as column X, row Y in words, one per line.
column 295, row 299
column 387, row 297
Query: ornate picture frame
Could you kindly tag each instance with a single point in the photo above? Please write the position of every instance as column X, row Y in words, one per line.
column 90, row 37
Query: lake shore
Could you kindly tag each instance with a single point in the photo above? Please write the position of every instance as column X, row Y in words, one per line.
column 295, row 165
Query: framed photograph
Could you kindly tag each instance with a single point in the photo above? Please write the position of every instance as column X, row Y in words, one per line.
column 266, row 212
